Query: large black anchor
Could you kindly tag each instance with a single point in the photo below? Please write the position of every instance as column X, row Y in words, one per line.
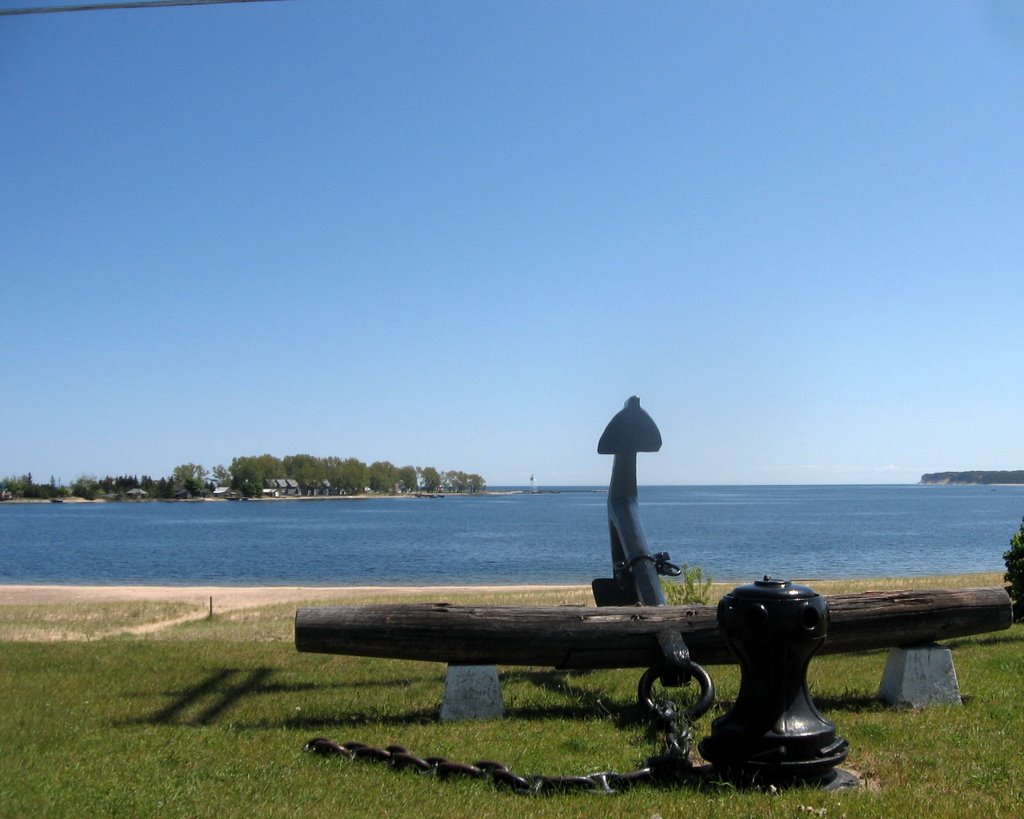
column 636, row 570
column 636, row 578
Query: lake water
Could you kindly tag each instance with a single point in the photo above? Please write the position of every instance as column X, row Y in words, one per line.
column 732, row 532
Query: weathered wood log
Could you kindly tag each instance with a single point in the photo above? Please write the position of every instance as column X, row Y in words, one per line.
column 626, row 637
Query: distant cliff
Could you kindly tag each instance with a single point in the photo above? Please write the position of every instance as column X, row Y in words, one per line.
column 981, row 476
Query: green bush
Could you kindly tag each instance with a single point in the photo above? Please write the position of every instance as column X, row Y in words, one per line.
column 86, row 487
column 691, row 588
column 40, row 491
column 1014, row 558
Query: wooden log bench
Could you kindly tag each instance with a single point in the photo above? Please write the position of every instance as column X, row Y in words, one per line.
column 583, row 637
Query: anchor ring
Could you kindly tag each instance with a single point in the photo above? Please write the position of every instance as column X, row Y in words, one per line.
column 695, row 711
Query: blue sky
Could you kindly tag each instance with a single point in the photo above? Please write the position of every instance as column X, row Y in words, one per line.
column 461, row 234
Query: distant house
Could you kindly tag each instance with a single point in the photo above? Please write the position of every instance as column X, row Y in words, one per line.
column 135, row 494
column 281, row 486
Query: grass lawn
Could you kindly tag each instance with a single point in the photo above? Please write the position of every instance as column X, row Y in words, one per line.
column 209, row 717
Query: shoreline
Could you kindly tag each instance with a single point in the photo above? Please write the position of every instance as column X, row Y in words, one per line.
column 74, row 499
column 237, row 597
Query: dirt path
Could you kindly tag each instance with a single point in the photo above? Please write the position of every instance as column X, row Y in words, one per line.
column 150, row 628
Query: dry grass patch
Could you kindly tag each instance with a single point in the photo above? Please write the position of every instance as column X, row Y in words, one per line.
column 953, row 581
column 48, row 622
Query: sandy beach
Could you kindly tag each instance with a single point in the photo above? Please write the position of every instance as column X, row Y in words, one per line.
column 228, row 598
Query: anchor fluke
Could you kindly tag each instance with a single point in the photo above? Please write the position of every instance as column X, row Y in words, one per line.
column 630, row 430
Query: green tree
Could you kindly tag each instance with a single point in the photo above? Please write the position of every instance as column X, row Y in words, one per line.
column 222, row 475
column 191, row 478
column 249, row 472
column 430, row 479
column 163, row 488
column 1014, row 558
column 121, row 484
column 85, row 486
column 381, row 476
column 16, row 484
column 307, row 470
column 332, row 472
column 455, row 480
column 184, row 472
column 39, row 491
column 351, row 476
column 407, row 478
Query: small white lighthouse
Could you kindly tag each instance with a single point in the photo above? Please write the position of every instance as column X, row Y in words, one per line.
column 533, row 483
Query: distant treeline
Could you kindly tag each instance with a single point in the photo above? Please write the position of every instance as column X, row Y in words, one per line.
column 980, row 476
column 256, row 475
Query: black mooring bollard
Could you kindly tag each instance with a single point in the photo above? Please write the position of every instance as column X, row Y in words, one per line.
column 774, row 733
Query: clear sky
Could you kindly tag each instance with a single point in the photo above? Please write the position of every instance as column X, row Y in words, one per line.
column 461, row 234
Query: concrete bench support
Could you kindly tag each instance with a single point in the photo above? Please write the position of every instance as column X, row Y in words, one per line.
column 471, row 692
column 920, row 675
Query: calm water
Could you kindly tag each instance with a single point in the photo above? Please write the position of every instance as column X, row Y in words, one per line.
column 734, row 533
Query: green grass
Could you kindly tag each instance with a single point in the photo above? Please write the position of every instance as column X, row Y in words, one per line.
column 209, row 718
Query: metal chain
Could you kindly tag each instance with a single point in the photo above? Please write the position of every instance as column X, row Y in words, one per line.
column 400, row 758
column 671, row 766
column 662, row 561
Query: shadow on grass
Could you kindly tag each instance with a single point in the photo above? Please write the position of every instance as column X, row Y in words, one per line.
column 1003, row 638
column 851, row 703
column 558, row 683
column 223, row 688
column 583, row 705
column 209, row 698
column 220, row 689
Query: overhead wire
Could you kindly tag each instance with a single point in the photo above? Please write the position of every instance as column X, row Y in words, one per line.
column 127, row 4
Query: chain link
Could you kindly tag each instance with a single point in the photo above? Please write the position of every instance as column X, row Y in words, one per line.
column 400, row 758
column 671, row 766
